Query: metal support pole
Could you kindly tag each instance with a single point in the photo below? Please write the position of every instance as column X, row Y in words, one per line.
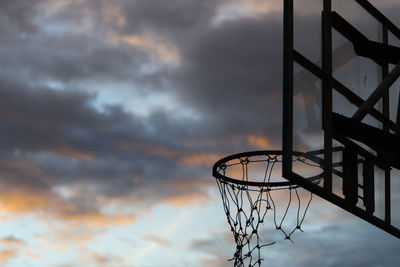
column 287, row 123
column 327, row 92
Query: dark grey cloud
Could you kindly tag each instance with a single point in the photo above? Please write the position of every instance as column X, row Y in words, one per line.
column 40, row 119
column 229, row 73
column 72, row 44
column 237, row 60
column 175, row 17
column 16, row 16
column 71, row 57
column 57, row 138
column 232, row 75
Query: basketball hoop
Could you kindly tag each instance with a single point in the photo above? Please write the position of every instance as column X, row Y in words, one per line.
column 249, row 182
column 342, row 149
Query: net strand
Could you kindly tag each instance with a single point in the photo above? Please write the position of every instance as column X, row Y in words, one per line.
column 252, row 205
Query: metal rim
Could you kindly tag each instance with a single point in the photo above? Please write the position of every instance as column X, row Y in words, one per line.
column 224, row 160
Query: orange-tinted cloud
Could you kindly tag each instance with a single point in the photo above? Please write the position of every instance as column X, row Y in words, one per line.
column 260, row 7
column 95, row 220
column 186, row 199
column 236, row 9
column 24, row 200
column 200, row 159
column 14, row 169
column 9, row 247
column 149, row 149
column 181, row 156
column 66, row 233
column 260, row 142
column 5, row 255
column 71, row 153
column 112, row 14
column 155, row 47
column 189, row 184
column 32, row 255
column 162, row 151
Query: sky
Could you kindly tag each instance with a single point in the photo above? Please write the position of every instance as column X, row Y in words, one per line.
column 112, row 113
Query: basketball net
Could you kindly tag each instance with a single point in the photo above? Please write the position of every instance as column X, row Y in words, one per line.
column 253, row 207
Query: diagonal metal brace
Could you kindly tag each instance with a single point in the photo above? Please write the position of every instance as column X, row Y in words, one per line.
column 377, row 94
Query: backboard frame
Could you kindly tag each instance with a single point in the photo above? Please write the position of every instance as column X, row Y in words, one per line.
column 329, row 84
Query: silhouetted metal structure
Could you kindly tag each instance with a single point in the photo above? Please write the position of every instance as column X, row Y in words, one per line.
column 339, row 143
column 364, row 149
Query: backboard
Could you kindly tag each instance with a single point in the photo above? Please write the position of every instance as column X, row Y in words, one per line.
column 341, row 104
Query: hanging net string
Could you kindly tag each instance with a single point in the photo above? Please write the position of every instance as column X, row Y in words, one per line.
column 248, row 207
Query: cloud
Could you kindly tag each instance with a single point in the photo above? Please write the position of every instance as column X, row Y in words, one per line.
column 217, row 250
column 175, row 18
column 97, row 220
column 32, row 255
column 113, row 15
column 239, row 9
column 349, row 242
column 164, row 51
column 5, row 255
column 49, row 205
column 69, row 163
column 17, row 16
column 360, row 250
column 230, row 74
column 151, row 30
column 199, row 159
column 158, row 240
column 23, row 200
column 259, row 141
column 105, row 259
column 186, row 199
column 9, row 248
